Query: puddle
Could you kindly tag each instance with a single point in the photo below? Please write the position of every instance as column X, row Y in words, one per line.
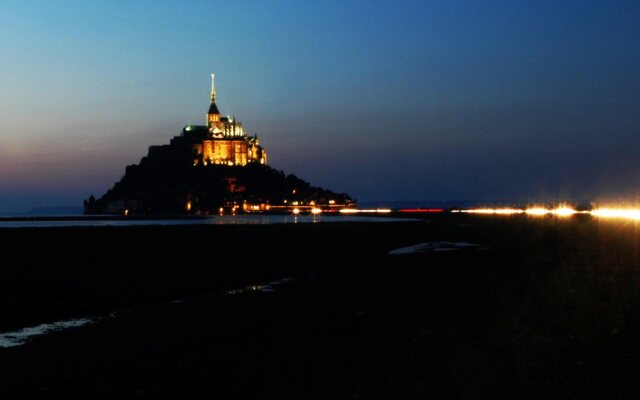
column 251, row 288
column 436, row 247
column 283, row 281
column 264, row 288
column 22, row 336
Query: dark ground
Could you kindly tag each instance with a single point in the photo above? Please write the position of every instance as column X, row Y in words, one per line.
column 551, row 309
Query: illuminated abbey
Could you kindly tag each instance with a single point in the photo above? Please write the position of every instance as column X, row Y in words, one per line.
column 222, row 140
column 212, row 168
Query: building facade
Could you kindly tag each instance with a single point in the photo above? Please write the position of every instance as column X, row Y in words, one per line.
column 223, row 140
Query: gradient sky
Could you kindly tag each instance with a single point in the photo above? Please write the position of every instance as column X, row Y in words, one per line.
column 394, row 100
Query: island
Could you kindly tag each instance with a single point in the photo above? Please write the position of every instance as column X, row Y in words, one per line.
column 211, row 169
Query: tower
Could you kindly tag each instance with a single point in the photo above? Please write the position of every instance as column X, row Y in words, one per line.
column 213, row 116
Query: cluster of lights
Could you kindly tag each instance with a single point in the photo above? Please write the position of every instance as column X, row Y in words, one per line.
column 626, row 213
column 617, row 213
column 314, row 211
column 560, row 212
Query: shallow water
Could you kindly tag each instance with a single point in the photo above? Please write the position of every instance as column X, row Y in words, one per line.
column 435, row 247
column 25, row 335
column 20, row 337
column 215, row 220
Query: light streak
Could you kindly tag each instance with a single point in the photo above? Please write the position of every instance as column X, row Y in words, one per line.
column 537, row 211
column 561, row 211
column 421, row 210
column 627, row 213
column 365, row 211
column 564, row 212
column 501, row 211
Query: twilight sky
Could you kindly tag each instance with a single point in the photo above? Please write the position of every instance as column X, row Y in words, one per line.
column 386, row 100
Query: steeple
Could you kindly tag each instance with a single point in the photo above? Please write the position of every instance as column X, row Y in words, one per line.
column 213, row 88
column 213, row 116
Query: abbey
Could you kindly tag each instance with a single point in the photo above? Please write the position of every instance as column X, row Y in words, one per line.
column 222, row 140
column 210, row 169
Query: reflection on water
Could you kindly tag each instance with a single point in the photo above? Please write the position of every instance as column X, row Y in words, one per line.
column 436, row 247
column 215, row 220
column 24, row 335
column 263, row 288
column 20, row 337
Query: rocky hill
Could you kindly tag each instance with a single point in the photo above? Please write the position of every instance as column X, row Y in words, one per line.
column 167, row 182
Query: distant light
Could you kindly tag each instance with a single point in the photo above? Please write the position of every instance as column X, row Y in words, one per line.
column 356, row 210
column 501, row 211
column 563, row 212
column 296, row 211
column 315, row 210
column 533, row 211
column 560, row 211
column 422, row 210
column 628, row 213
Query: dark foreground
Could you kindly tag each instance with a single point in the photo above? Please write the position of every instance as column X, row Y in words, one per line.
column 550, row 308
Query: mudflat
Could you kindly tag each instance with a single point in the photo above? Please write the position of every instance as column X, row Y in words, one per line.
column 475, row 306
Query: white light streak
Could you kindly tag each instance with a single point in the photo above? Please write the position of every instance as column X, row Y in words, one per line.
column 627, row 213
column 365, row 211
column 560, row 211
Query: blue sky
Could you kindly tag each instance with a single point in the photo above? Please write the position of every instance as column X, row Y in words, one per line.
column 396, row 100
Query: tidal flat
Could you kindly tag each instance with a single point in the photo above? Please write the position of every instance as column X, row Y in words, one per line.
column 529, row 307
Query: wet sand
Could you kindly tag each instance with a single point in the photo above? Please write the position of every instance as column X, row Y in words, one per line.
column 542, row 307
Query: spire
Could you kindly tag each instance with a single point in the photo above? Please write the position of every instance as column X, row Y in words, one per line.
column 213, row 108
column 213, row 88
